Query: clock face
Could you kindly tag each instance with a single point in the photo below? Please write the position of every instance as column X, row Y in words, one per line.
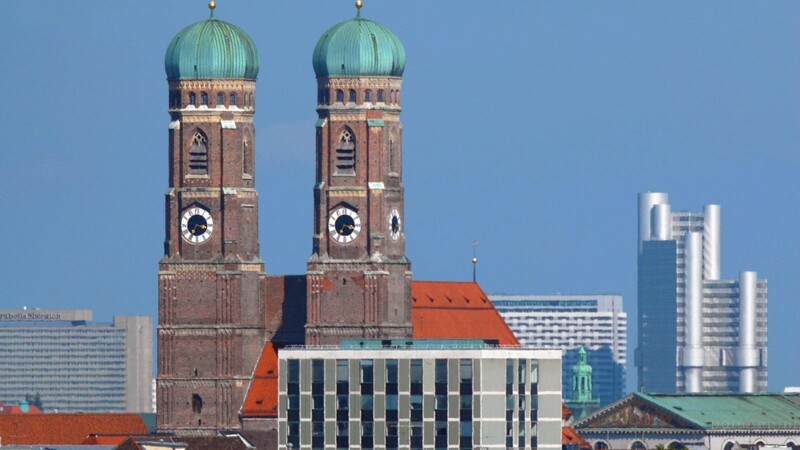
column 344, row 225
column 394, row 224
column 196, row 225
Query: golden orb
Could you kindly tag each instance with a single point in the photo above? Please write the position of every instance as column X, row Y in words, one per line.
column 212, row 4
column 474, row 260
column 359, row 4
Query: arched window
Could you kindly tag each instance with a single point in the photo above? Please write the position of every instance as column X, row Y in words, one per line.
column 220, row 99
column 352, row 96
column 392, row 162
column 247, row 154
column 192, row 99
column 638, row 445
column 346, row 153
column 728, row 446
column 674, row 445
column 203, row 98
column 380, row 95
column 197, row 404
column 600, row 445
column 367, row 96
column 232, row 99
column 339, row 96
column 198, row 154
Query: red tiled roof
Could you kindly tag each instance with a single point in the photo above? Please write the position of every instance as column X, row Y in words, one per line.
column 128, row 444
column 105, row 439
column 456, row 310
column 439, row 310
column 65, row 429
column 570, row 436
column 16, row 409
column 566, row 413
column 262, row 397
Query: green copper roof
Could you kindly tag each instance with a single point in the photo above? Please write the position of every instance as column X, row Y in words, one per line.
column 726, row 410
column 211, row 49
column 582, row 367
column 359, row 47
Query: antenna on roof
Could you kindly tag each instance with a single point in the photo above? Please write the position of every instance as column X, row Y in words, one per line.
column 475, row 245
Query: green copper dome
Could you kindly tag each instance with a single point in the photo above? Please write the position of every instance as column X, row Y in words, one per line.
column 359, row 47
column 211, row 49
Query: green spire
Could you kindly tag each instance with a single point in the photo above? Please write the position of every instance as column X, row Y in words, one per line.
column 582, row 378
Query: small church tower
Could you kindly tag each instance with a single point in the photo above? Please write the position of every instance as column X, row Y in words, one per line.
column 210, row 312
column 582, row 403
column 358, row 278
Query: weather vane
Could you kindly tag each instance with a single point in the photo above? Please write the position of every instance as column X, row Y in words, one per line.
column 475, row 245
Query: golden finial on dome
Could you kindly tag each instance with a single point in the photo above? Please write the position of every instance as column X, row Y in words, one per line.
column 359, row 4
column 212, row 4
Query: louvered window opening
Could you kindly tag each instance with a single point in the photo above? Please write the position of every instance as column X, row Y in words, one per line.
column 198, row 155
column 346, row 154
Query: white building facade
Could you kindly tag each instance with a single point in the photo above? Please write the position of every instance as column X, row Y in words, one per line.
column 419, row 394
column 567, row 322
column 75, row 365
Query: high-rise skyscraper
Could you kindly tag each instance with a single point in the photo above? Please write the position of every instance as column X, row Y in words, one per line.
column 697, row 332
column 596, row 323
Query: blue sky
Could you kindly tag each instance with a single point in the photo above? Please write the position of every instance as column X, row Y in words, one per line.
column 528, row 126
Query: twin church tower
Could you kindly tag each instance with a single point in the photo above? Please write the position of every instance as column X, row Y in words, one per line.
column 214, row 317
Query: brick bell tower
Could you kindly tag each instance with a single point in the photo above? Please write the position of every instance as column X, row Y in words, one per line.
column 211, row 316
column 358, row 279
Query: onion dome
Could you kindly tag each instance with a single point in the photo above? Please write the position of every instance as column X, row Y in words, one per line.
column 359, row 47
column 211, row 49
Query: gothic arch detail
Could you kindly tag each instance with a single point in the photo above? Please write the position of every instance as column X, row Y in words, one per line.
column 346, row 153
column 248, row 157
column 198, row 154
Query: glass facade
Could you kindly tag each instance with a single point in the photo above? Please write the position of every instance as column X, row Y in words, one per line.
column 569, row 322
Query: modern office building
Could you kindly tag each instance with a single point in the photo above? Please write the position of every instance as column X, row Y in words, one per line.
column 462, row 394
column 697, row 332
column 569, row 322
column 74, row 365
